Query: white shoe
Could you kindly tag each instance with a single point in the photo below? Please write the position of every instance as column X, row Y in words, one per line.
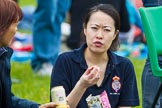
column 46, row 69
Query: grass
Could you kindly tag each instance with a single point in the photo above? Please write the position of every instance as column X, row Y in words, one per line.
column 28, row 85
column 27, row 2
column 138, row 66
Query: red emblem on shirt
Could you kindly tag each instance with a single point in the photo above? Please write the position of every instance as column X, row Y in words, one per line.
column 116, row 85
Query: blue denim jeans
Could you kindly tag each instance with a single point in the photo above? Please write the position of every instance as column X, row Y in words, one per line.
column 47, row 20
column 134, row 16
column 150, row 86
column 151, row 3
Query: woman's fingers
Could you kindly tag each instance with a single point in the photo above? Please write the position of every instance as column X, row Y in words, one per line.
column 88, row 70
column 94, row 72
column 91, row 76
column 48, row 105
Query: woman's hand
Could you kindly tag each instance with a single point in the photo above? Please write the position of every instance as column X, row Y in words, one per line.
column 48, row 105
column 53, row 105
column 90, row 77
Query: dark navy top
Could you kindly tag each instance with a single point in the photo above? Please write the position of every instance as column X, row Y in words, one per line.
column 119, row 81
column 7, row 98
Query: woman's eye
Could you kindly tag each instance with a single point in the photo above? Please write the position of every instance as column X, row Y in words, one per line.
column 94, row 28
column 107, row 30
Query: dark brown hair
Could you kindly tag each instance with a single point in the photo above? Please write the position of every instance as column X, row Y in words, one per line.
column 109, row 10
column 10, row 12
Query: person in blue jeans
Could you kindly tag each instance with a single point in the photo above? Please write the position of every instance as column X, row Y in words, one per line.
column 47, row 20
column 150, row 83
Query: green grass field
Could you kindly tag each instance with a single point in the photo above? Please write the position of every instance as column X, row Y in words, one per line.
column 30, row 86
column 27, row 2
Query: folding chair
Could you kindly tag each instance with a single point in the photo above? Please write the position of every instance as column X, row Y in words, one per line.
column 152, row 23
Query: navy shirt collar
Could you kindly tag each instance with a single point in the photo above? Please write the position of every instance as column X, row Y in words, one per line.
column 79, row 57
column 7, row 50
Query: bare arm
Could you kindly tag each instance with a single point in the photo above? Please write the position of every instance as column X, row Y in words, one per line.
column 77, row 92
column 53, row 105
column 48, row 105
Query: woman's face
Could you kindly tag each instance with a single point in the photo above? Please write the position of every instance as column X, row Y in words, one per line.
column 99, row 32
column 9, row 34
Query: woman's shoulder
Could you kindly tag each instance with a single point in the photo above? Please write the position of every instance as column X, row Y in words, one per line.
column 120, row 59
column 67, row 53
column 73, row 54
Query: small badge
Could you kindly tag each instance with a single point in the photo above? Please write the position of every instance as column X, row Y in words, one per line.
column 116, row 85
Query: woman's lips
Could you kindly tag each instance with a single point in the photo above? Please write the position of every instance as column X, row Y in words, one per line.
column 98, row 44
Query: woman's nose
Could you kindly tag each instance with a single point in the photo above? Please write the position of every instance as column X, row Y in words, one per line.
column 99, row 34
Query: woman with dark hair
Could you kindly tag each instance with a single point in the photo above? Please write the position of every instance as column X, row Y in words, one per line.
column 79, row 8
column 10, row 15
column 93, row 73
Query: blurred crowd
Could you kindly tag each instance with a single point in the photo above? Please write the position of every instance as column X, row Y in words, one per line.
column 62, row 25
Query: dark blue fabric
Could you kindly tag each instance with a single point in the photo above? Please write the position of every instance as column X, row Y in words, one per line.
column 150, row 85
column 71, row 65
column 8, row 100
column 151, row 3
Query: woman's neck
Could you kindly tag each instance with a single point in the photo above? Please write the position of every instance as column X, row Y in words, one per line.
column 94, row 58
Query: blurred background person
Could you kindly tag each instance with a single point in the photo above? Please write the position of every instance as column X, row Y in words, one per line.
column 136, row 32
column 48, row 16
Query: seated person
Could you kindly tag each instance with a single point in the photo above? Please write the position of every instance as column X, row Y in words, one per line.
column 10, row 14
column 93, row 71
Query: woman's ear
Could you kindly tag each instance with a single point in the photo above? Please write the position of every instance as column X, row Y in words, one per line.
column 116, row 33
column 84, row 29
